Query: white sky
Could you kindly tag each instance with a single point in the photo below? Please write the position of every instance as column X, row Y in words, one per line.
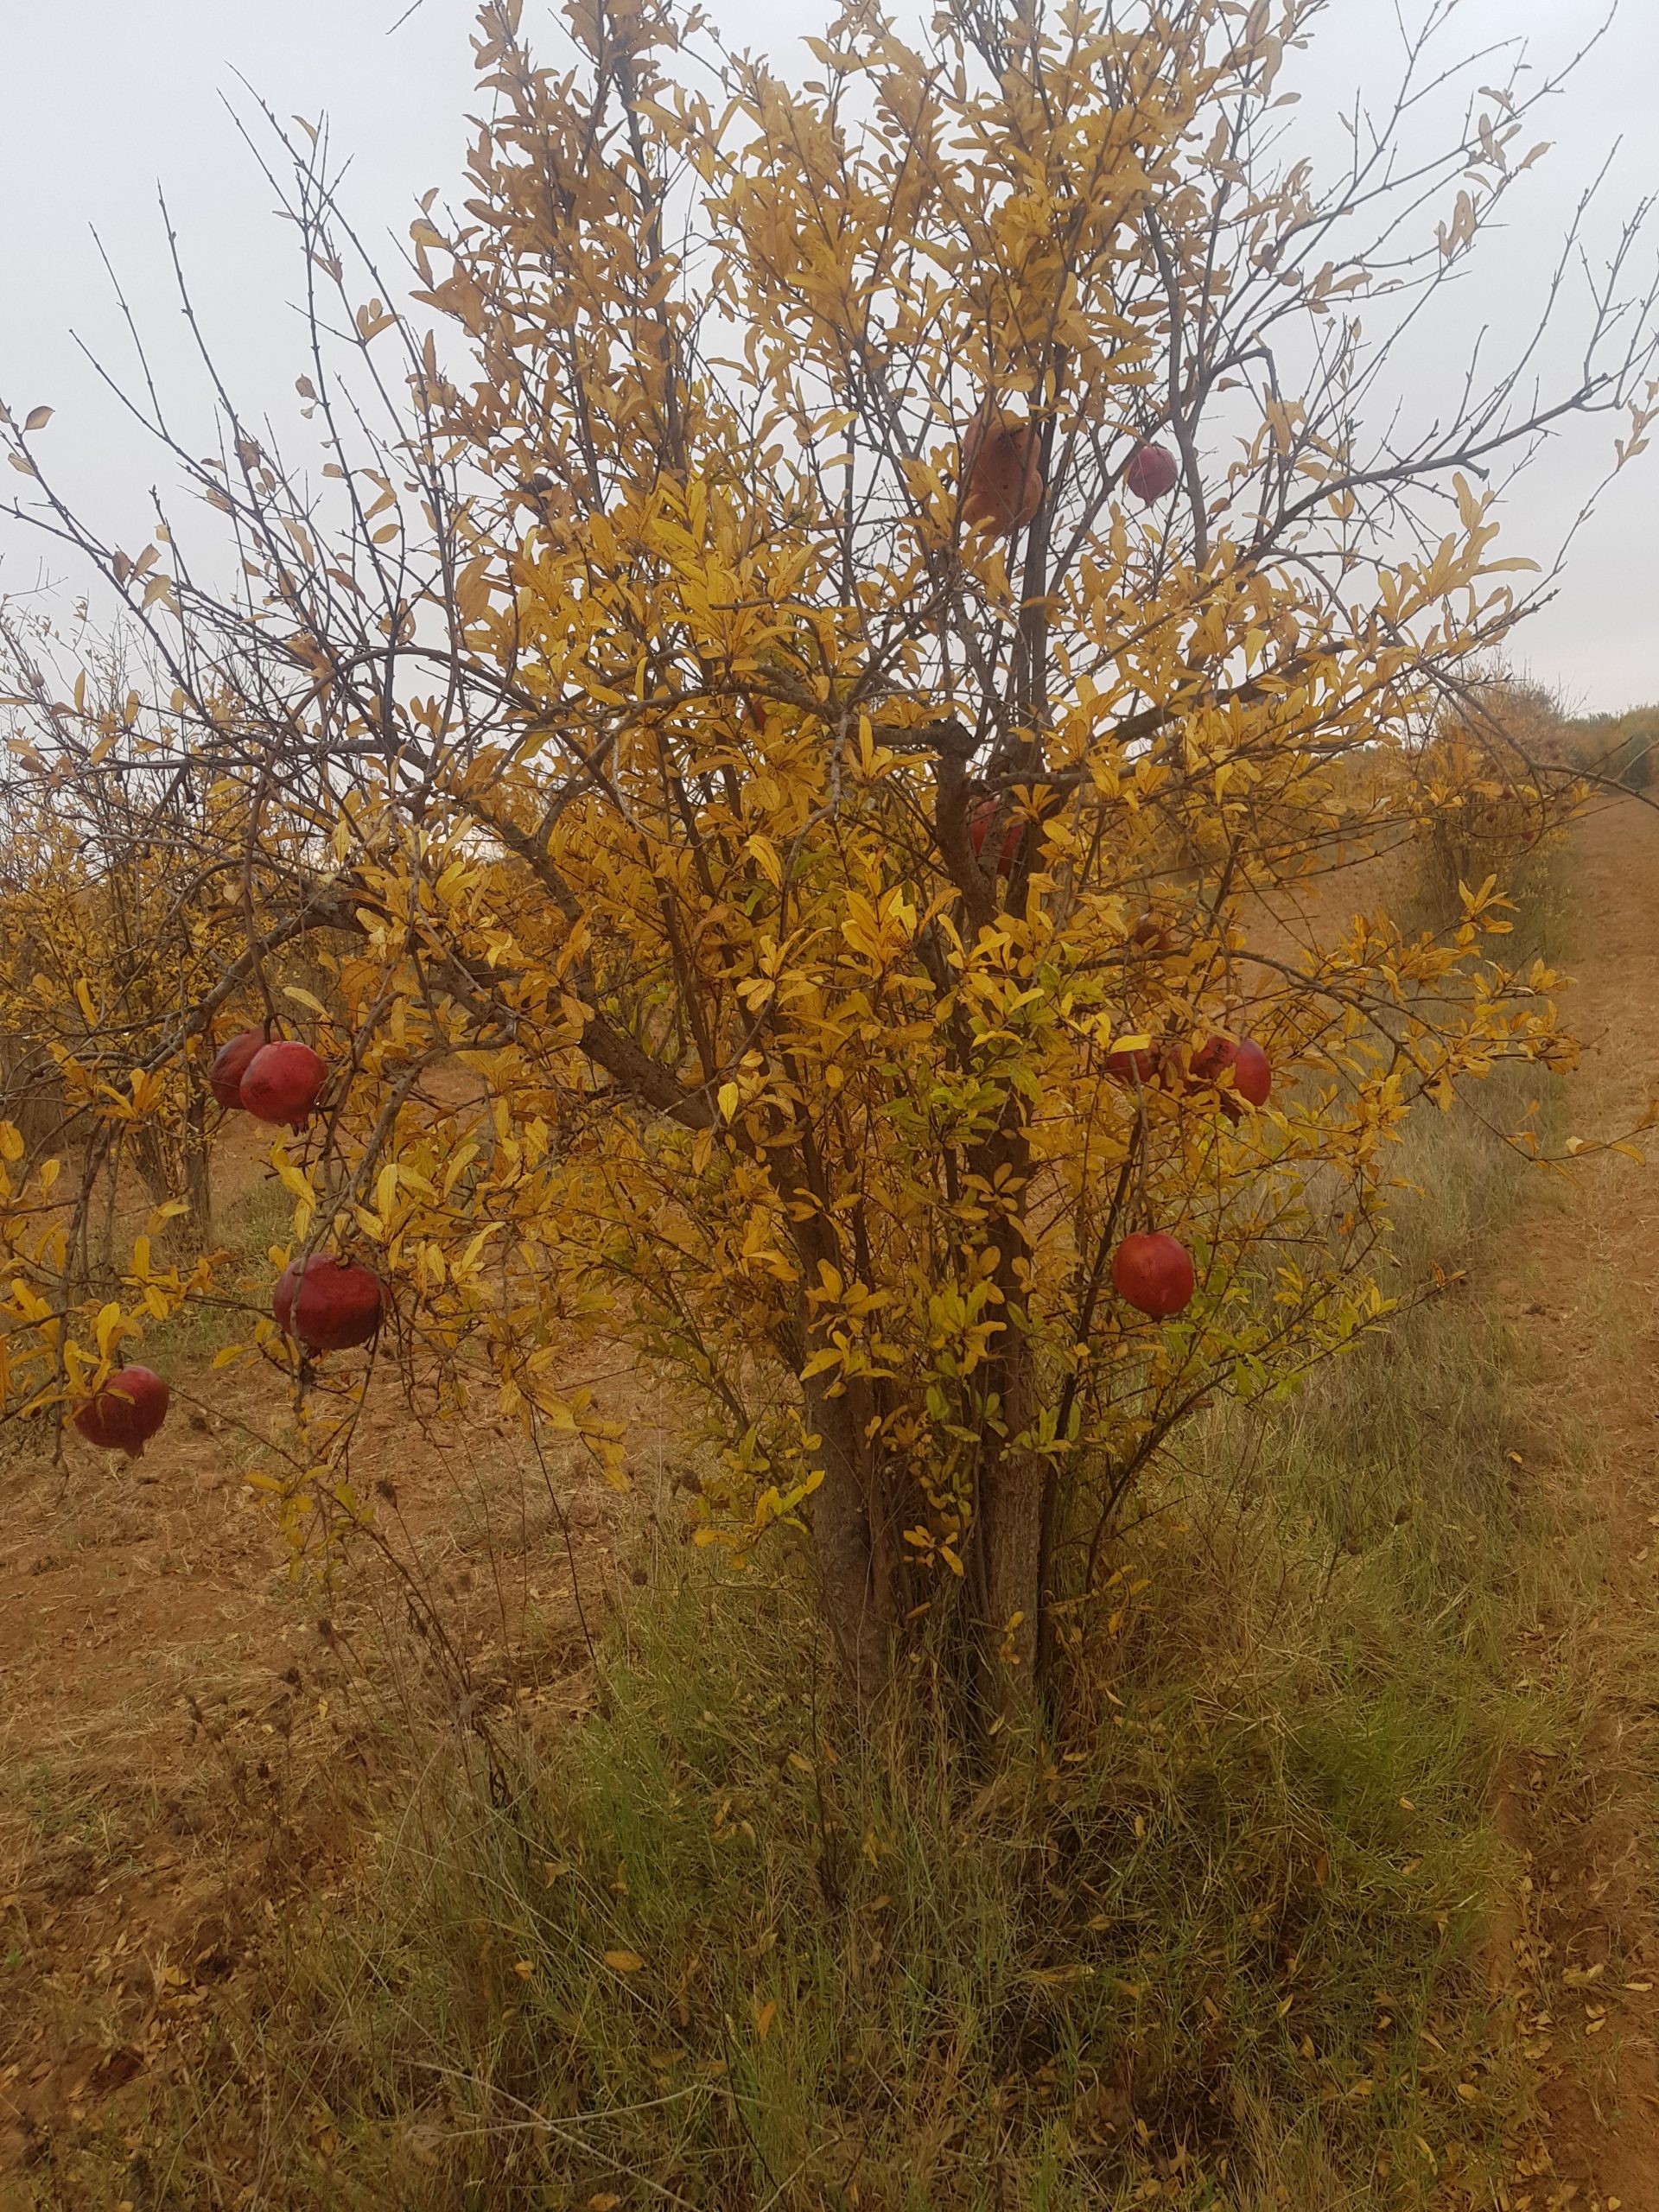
column 103, row 101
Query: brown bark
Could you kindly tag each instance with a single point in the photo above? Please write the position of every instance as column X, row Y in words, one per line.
column 180, row 1170
column 1011, row 1509
column 857, row 1600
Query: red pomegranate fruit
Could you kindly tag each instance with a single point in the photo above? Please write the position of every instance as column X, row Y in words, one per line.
column 126, row 1413
column 1150, row 936
column 1213, row 1059
column 231, row 1064
column 1136, row 1065
column 1002, row 485
column 1252, row 1072
column 1154, row 1273
column 283, row 1082
column 1151, row 473
column 326, row 1304
column 980, row 828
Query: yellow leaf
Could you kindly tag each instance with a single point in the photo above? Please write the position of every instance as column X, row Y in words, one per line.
column 624, row 1962
column 38, row 418
column 765, row 854
column 763, row 2020
column 728, row 1101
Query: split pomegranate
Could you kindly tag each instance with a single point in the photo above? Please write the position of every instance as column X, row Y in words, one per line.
column 1002, row 485
column 1152, row 475
column 1252, row 1069
column 980, row 828
column 283, row 1083
column 328, row 1305
column 126, row 1413
column 1213, row 1059
column 231, row 1064
column 1154, row 1273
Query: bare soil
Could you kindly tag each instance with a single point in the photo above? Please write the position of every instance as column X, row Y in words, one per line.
column 1578, row 1281
column 191, row 1720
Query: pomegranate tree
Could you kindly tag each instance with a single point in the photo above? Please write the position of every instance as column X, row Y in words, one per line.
column 327, row 1303
column 126, row 1413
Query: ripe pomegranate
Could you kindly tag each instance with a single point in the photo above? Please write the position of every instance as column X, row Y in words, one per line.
column 1002, row 486
column 1213, row 1059
column 1139, row 1065
column 126, row 1413
column 1154, row 1273
column 1252, row 1072
column 1150, row 936
column 1152, row 475
column 327, row 1304
column 980, row 828
column 231, row 1064
column 283, row 1083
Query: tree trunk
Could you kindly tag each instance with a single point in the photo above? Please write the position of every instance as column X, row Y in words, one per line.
column 198, row 1179
column 857, row 1601
column 1011, row 1536
column 180, row 1171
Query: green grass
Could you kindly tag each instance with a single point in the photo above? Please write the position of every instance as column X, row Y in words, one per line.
column 246, row 1226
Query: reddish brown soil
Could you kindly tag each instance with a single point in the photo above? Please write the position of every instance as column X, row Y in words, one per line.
column 1581, row 1296
column 185, row 1729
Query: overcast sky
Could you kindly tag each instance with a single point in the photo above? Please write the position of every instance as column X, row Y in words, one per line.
column 106, row 102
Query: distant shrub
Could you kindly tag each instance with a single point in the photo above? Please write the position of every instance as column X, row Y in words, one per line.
column 1621, row 747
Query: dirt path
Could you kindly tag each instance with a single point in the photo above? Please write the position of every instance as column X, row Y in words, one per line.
column 1581, row 1294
